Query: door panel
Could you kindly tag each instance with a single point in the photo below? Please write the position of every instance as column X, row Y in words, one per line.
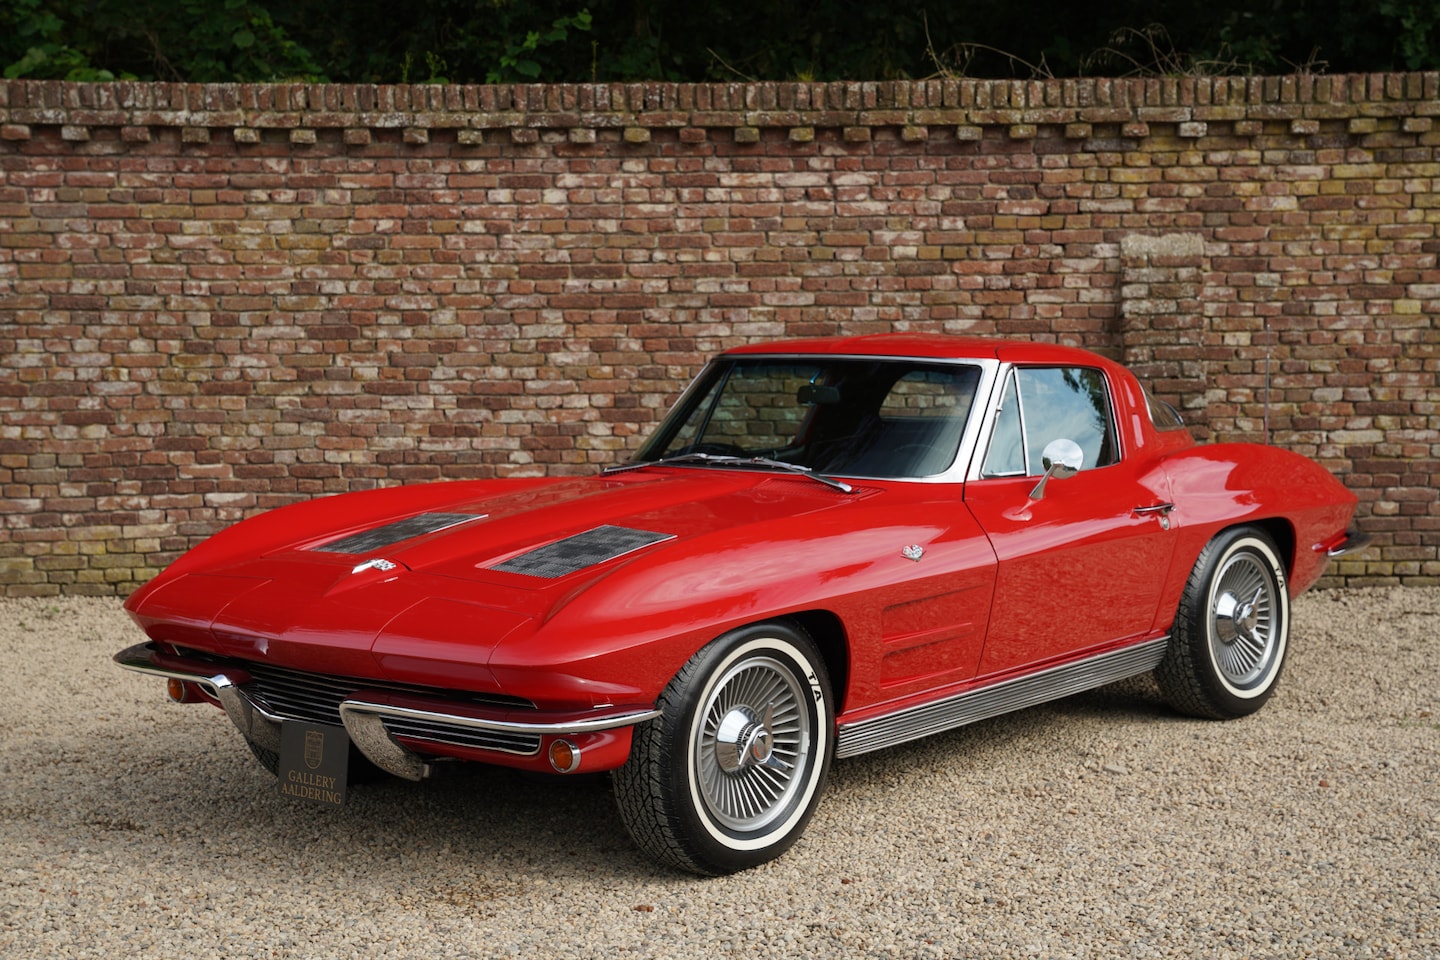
column 1077, row 569
column 1083, row 565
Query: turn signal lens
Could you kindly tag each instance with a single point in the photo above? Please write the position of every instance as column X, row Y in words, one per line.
column 564, row 756
column 177, row 691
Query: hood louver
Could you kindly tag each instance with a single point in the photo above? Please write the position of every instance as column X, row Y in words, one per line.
column 583, row 550
column 395, row 532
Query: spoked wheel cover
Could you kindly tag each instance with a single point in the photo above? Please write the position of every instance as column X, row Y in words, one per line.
column 1246, row 630
column 729, row 774
column 753, row 747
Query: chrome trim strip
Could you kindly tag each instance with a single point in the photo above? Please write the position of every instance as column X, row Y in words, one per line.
column 365, row 722
column 991, row 701
column 590, row 725
column 368, row 733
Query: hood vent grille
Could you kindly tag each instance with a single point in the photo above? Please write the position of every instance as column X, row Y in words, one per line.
column 583, row 550
column 395, row 532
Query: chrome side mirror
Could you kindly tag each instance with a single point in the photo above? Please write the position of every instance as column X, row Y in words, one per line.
column 1062, row 459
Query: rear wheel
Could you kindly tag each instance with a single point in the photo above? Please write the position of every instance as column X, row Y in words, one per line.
column 1228, row 644
column 729, row 774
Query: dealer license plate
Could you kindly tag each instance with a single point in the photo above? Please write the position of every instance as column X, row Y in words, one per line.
column 314, row 761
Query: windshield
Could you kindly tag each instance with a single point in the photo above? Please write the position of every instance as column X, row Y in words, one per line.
column 880, row 418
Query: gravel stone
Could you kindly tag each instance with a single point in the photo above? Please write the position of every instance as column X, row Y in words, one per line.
column 1100, row 826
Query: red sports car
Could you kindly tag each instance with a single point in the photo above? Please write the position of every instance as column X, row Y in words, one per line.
column 828, row 547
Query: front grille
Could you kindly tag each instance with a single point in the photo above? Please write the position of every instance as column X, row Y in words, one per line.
column 459, row 736
column 296, row 695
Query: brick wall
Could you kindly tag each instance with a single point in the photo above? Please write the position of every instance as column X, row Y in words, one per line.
column 217, row 299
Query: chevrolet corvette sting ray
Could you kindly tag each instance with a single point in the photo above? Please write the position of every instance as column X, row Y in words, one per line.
column 828, row 547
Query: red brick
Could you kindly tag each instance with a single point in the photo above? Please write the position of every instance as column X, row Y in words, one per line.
column 202, row 330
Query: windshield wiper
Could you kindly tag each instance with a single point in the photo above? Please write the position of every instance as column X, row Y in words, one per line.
column 680, row 459
column 795, row 468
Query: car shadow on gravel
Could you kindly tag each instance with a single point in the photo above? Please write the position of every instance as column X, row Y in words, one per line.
column 1137, row 697
column 492, row 824
column 192, row 785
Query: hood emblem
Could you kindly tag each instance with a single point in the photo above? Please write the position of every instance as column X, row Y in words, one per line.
column 379, row 563
column 913, row 552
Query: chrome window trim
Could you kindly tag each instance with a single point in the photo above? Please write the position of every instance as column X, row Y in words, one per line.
column 993, row 416
column 1007, row 377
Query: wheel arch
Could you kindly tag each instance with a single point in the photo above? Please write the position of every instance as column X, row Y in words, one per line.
column 831, row 639
column 1217, row 673
column 1279, row 530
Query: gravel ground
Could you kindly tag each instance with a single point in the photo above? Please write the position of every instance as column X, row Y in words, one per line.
column 1099, row 826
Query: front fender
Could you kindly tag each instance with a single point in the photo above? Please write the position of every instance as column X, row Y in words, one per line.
column 638, row 624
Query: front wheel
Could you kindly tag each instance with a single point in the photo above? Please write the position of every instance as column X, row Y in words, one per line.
column 1232, row 629
column 728, row 775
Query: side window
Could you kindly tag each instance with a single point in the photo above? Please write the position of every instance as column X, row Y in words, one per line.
column 1007, row 446
column 1164, row 416
column 1053, row 402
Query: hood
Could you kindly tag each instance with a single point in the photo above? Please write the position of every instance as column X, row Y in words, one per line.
column 543, row 538
column 370, row 582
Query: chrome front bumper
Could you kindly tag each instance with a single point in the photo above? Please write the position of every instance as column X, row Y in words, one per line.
column 364, row 714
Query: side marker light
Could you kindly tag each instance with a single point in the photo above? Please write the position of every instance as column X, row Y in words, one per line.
column 564, row 756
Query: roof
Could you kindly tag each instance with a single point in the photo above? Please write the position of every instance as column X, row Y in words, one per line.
column 928, row 346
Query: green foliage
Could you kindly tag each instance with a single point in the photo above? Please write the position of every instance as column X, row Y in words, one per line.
column 34, row 42
column 449, row 41
column 237, row 40
column 197, row 40
column 490, row 41
column 519, row 61
column 1416, row 31
column 1280, row 36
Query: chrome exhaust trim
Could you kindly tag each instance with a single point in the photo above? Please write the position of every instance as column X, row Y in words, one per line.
column 1354, row 541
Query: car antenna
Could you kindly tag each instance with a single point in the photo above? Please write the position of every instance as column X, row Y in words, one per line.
column 1267, row 384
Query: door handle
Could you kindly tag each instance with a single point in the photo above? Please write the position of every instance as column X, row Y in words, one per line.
column 1161, row 510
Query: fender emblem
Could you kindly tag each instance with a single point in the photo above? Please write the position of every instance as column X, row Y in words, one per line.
column 377, row 564
column 913, row 552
